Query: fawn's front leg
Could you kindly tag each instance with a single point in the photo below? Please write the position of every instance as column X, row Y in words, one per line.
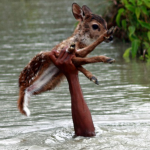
column 88, row 74
column 82, row 61
column 78, row 61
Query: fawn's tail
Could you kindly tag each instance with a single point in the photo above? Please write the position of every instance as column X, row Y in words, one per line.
column 23, row 101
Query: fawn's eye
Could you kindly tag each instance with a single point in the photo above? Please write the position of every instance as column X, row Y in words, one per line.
column 95, row 26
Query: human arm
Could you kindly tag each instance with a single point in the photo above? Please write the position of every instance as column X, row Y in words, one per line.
column 81, row 115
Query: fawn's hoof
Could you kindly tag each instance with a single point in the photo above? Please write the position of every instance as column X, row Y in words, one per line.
column 110, row 60
column 112, row 30
column 94, row 79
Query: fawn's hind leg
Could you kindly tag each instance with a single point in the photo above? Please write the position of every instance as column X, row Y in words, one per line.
column 88, row 74
column 78, row 61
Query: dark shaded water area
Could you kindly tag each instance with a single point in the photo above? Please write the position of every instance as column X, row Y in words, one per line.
column 120, row 105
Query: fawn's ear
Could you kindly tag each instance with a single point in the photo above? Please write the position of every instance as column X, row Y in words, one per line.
column 77, row 12
column 86, row 11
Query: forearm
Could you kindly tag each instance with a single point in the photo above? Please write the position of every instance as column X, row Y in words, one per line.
column 81, row 115
column 74, row 87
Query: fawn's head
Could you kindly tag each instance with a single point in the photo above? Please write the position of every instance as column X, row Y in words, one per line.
column 90, row 26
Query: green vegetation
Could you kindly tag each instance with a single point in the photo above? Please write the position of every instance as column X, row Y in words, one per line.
column 133, row 18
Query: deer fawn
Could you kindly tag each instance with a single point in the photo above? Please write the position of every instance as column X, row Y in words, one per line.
column 41, row 74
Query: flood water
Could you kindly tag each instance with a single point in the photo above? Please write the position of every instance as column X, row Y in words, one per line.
column 120, row 105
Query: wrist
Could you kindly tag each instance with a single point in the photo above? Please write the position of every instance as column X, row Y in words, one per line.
column 71, row 76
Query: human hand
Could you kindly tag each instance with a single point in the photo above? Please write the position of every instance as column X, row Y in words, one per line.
column 64, row 62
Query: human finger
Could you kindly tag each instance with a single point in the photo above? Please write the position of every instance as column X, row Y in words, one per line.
column 66, row 54
column 56, row 54
column 52, row 56
column 69, row 58
column 62, row 53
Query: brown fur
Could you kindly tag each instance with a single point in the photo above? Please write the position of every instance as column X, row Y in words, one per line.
column 82, row 37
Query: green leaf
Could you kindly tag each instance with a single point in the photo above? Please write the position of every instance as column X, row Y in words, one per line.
column 144, row 10
column 148, row 51
column 124, row 2
column 144, row 24
column 127, row 53
column 120, row 11
column 132, row 1
column 139, row 2
column 130, row 8
column 148, row 34
column 131, row 30
column 135, row 45
column 124, row 24
column 137, row 12
column 147, row 3
column 146, row 44
column 141, row 57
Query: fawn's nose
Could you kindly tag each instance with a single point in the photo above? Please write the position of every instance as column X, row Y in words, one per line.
column 109, row 39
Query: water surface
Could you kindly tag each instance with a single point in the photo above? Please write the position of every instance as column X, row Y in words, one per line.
column 120, row 105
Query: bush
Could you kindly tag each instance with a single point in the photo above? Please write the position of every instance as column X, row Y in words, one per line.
column 133, row 16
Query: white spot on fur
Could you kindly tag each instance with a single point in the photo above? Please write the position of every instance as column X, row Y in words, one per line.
column 26, row 101
column 37, row 85
column 44, row 79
